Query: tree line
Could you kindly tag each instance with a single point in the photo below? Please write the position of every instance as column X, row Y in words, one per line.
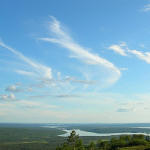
column 74, row 142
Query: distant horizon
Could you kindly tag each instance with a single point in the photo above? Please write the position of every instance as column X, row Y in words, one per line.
column 68, row 123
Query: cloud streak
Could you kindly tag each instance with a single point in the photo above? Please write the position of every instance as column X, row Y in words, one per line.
column 146, row 8
column 118, row 49
column 15, row 88
column 65, row 40
column 39, row 70
column 141, row 55
column 125, row 51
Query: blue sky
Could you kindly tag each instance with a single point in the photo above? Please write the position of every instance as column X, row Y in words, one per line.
column 75, row 61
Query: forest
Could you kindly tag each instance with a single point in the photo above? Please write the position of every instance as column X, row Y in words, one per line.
column 124, row 142
column 37, row 137
column 30, row 138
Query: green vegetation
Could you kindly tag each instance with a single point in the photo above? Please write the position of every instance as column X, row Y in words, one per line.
column 38, row 138
column 135, row 142
column 30, row 138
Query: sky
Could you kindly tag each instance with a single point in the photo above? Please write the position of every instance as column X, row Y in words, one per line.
column 75, row 61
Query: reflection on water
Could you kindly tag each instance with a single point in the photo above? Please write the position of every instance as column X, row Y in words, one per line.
column 85, row 133
column 142, row 127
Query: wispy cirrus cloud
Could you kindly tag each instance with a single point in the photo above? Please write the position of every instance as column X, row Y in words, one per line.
column 141, row 55
column 5, row 100
column 125, row 51
column 35, row 104
column 74, row 80
column 38, row 70
column 140, row 103
column 68, row 96
column 146, row 8
column 118, row 49
column 26, row 73
column 127, row 108
column 62, row 38
column 16, row 88
column 57, row 96
column 124, row 110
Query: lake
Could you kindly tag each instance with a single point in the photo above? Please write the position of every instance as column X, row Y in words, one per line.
column 86, row 133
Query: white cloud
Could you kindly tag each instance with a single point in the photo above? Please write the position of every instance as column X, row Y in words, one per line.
column 18, row 88
column 125, row 51
column 124, row 110
column 35, row 104
column 29, row 111
column 39, row 70
column 67, row 96
column 141, row 55
column 101, row 107
column 74, row 80
column 124, row 69
column 146, row 8
column 140, row 104
column 7, row 97
column 26, row 73
column 12, row 88
column 65, row 40
column 118, row 49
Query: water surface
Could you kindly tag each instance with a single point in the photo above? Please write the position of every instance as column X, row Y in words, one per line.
column 86, row 133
